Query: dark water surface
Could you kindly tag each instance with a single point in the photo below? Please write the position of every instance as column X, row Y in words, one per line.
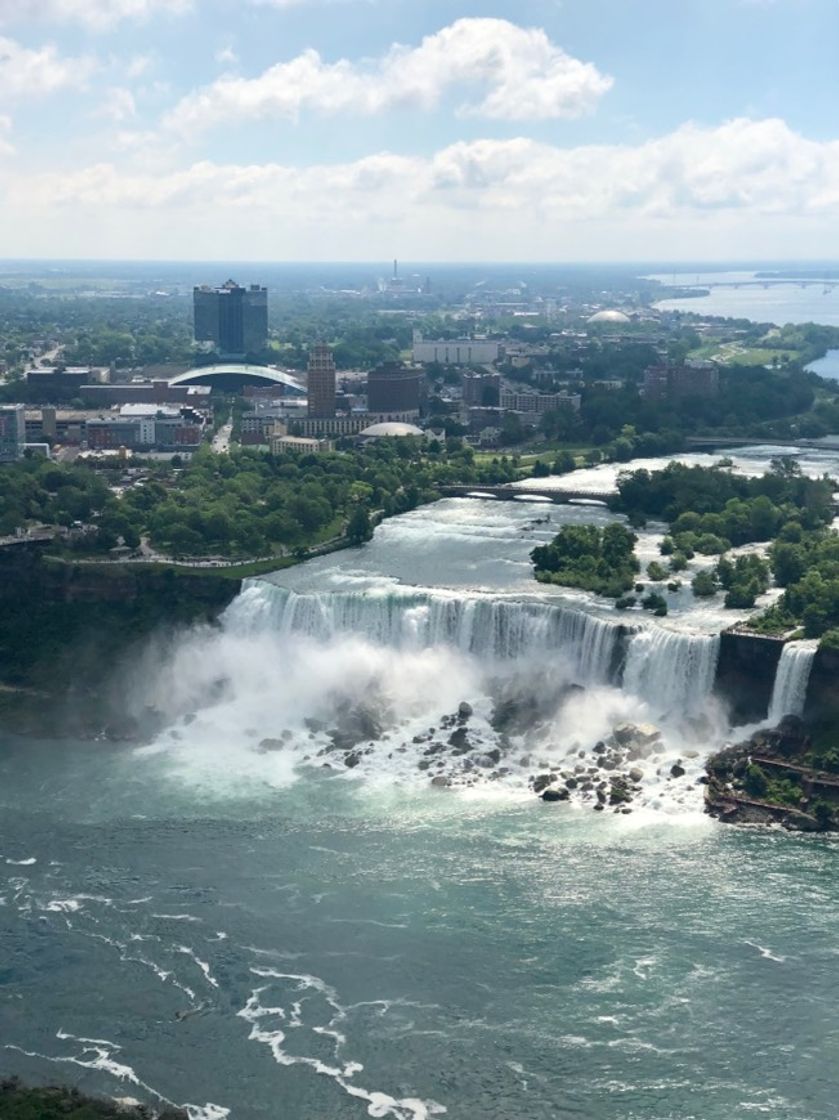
column 341, row 951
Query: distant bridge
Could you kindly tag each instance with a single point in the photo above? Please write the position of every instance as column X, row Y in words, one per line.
column 508, row 493
column 825, row 285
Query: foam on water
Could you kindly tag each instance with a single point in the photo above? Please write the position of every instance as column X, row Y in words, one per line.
column 273, row 1025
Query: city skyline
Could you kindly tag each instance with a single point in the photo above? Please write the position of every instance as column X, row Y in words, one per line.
column 596, row 130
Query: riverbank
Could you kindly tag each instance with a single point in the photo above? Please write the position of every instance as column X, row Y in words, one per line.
column 18, row 1102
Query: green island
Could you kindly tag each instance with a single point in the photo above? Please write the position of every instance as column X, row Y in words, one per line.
column 711, row 511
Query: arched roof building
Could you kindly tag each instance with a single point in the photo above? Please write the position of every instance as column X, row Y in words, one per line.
column 233, row 376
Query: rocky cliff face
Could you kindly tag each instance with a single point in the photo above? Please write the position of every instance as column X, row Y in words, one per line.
column 746, row 674
column 66, row 631
column 823, row 690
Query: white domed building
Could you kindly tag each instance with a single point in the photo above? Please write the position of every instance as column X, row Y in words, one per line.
column 611, row 318
column 391, row 429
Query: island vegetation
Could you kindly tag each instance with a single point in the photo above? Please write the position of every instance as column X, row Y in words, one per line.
column 713, row 512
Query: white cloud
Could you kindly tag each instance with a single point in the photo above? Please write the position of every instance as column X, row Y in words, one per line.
column 226, row 56
column 119, row 105
column 6, row 146
column 741, row 188
column 32, row 73
column 138, row 65
column 521, row 74
column 98, row 15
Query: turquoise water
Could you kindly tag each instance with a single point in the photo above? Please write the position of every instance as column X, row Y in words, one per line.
column 413, row 952
column 233, row 918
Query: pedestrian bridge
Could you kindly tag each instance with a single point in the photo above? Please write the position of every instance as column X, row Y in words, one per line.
column 510, row 493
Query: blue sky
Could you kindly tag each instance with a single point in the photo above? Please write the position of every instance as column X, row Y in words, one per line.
column 360, row 129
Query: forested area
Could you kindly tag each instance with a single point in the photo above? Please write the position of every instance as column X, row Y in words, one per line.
column 249, row 503
column 710, row 511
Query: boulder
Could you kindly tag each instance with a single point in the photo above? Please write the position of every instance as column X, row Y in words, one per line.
column 441, row 782
column 542, row 781
column 625, row 733
column 677, row 771
column 270, row 745
column 555, row 795
column 464, row 710
column 636, row 775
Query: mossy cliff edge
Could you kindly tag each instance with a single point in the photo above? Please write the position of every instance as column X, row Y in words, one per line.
column 66, row 631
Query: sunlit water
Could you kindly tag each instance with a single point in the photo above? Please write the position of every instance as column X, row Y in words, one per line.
column 266, row 932
column 776, row 303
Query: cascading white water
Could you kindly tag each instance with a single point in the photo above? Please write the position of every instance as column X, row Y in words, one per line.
column 673, row 671
column 490, row 627
column 791, row 679
column 367, row 681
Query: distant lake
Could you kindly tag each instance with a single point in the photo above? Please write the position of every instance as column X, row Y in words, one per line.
column 828, row 366
column 779, row 304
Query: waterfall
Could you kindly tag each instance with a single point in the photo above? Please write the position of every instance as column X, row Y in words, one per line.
column 486, row 626
column 791, row 679
column 672, row 670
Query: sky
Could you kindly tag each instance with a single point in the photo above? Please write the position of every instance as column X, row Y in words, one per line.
column 342, row 130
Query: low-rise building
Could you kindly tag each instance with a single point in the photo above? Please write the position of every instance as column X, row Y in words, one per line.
column 481, row 389
column 538, row 403
column 146, row 392
column 678, row 380
column 455, row 351
column 306, row 444
column 160, row 430
column 349, row 425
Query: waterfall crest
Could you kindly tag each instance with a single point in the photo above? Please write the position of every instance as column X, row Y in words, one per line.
column 791, row 679
column 673, row 671
column 486, row 626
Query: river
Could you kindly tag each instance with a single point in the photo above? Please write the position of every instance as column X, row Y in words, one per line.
column 776, row 303
column 233, row 918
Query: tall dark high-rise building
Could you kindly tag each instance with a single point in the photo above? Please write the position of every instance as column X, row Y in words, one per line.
column 394, row 388
column 321, row 390
column 233, row 318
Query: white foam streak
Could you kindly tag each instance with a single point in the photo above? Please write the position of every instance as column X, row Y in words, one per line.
column 260, row 1016
column 98, row 1054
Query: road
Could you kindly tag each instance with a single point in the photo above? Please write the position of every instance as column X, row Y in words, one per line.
column 221, row 440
